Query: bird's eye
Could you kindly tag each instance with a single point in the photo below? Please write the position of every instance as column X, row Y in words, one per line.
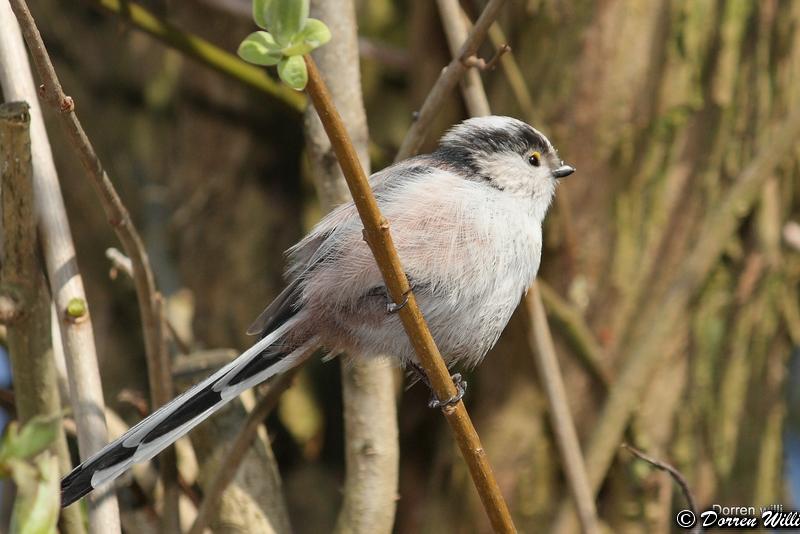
column 535, row 159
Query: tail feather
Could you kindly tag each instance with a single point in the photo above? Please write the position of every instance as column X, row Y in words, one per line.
column 162, row 428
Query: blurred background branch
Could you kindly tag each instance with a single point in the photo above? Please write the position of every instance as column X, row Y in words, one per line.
column 372, row 450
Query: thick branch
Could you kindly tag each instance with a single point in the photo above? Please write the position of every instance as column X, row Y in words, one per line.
column 147, row 296
column 66, row 285
column 377, row 235
column 28, row 338
column 368, row 393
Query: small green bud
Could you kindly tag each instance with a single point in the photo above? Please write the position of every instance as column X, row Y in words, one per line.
column 76, row 308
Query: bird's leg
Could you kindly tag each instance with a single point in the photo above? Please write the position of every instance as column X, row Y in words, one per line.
column 434, row 402
column 419, row 373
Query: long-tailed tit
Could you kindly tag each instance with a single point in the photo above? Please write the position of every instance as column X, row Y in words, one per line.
column 467, row 224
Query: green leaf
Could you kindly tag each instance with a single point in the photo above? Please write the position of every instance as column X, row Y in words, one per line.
column 260, row 48
column 285, row 18
column 260, row 8
column 315, row 33
column 35, row 437
column 292, row 71
column 38, row 496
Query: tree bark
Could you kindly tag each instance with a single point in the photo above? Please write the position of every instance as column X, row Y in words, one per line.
column 22, row 275
column 66, row 284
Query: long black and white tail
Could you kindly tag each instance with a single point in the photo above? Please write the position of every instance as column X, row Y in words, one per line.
column 163, row 427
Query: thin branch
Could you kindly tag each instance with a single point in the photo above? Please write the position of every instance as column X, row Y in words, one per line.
column 552, row 382
column 66, row 284
column 455, row 28
column 121, row 262
column 148, row 297
column 676, row 475
column 203, row 51
column 513, row 74
column 377, row 235
column 226, row 471
column 570, row 322
column 447, row 81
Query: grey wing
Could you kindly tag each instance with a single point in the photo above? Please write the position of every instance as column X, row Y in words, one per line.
column 320, row 244
column 278, row 312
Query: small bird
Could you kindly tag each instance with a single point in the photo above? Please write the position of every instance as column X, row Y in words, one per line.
column 467, row 223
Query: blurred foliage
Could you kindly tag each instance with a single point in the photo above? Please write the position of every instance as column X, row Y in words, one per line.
column 24, row 458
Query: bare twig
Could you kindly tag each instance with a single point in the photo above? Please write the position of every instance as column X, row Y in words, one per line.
column 676, row 475
column 481, row 64
column 121, row 262
column 569, row 321
column 455, row 28
column 447, row 81
column 148, row 297
column 66, row 285
column 227, row 470
column 552, row 382
column 28, row 340
column 377, row 235
column 513, row 74
column 203, row 51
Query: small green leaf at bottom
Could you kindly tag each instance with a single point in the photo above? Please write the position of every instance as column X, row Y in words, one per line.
column 38, row 496
column 292, row 71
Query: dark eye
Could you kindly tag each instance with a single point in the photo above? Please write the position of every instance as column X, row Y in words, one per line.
column 535, row 159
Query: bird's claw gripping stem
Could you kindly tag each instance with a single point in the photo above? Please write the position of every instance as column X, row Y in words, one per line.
column 461, row 387
column 392, row 307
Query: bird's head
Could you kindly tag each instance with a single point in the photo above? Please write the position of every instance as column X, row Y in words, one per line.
column 507, row 154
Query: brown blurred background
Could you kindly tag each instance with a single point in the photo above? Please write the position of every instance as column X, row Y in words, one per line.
column 660, row 105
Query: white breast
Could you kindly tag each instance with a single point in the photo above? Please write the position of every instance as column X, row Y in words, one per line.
column 480, row 250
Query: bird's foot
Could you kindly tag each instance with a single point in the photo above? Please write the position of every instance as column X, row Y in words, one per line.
column 392, row 307
column 461, row 388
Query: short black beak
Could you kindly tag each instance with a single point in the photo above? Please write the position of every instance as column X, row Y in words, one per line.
column 563, row 171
